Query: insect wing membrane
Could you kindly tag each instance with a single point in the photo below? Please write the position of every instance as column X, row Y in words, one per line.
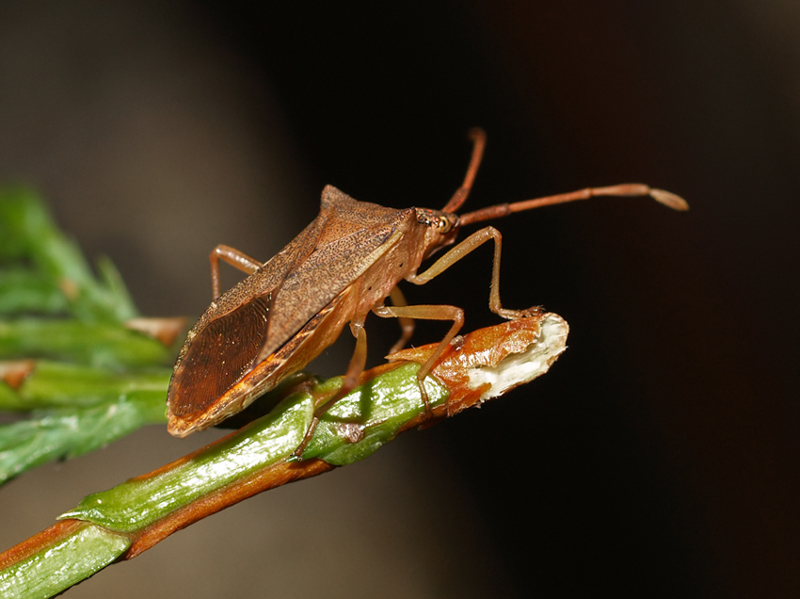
column 218, row 356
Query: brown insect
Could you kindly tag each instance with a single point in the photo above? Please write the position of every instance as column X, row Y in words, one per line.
column 337, row 270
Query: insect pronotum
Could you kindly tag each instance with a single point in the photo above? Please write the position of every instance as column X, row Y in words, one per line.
column 336, row 271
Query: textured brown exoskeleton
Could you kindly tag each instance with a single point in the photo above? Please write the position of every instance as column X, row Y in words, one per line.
column 338, row 269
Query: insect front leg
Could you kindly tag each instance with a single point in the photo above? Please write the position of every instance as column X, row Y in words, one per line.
column 462, row 249
column 233, row 257
column 427, row 312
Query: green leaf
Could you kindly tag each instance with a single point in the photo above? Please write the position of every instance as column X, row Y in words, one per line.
column 27, row 232
column 98, row 344
column 71, row 432
column 58, row 384
column 23, row 290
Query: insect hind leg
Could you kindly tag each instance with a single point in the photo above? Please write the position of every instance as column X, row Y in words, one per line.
column 350, row 382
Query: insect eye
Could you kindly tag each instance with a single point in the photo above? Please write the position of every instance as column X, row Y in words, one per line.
column 444, row 224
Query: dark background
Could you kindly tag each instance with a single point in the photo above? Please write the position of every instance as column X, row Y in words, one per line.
column 659, row 458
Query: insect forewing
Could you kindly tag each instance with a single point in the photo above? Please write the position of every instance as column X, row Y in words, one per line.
column 260, row 314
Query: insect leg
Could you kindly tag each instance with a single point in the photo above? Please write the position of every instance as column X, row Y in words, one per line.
column 406, row 324
column 354, row 369
column 462, row 249
column 427, row 312
column 233, row 257
column 350, row 382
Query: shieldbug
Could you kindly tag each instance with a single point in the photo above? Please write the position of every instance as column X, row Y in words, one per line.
column 336, row 271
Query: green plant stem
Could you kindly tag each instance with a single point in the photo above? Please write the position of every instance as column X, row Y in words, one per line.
column 57, row 558
column 131, row 517
column 124, row 521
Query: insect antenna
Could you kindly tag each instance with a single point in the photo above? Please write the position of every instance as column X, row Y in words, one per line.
column 478, row 138
column 623, row 190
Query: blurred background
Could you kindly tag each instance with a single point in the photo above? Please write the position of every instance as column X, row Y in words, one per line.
column 658, row 458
